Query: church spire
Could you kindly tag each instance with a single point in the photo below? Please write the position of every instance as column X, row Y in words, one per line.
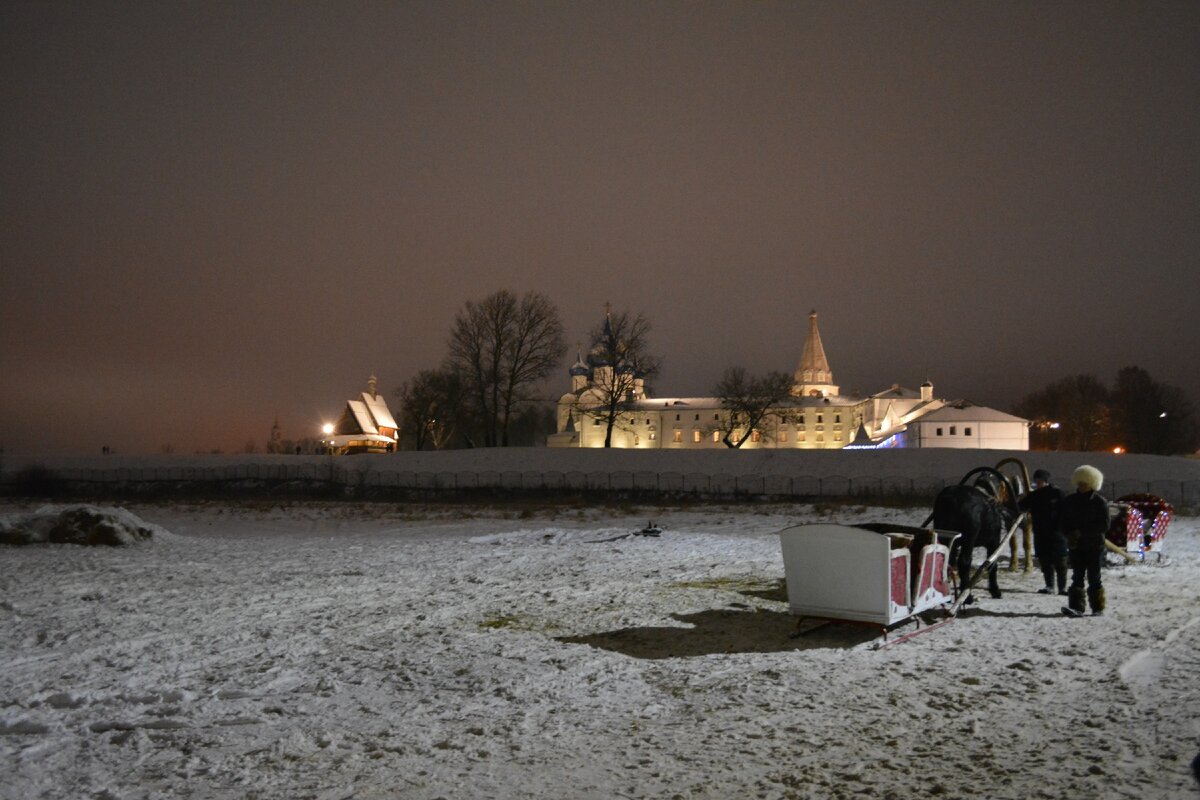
column 813, row 376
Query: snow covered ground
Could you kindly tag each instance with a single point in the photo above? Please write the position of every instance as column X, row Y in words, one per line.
column 359, row 651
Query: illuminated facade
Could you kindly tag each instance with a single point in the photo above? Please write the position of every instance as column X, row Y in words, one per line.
column 366, row 425
column 816, row 416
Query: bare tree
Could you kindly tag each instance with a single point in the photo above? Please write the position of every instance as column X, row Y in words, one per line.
column 500, row 348
column 620, row 360
column 430, row 408
column 748, row 399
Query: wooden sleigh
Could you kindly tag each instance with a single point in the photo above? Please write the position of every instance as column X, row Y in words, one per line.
column 875, row 574
column 1139, row 526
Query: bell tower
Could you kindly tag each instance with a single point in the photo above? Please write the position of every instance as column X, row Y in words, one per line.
column 813, row 378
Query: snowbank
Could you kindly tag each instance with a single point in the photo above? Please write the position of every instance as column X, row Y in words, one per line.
column 77, row 524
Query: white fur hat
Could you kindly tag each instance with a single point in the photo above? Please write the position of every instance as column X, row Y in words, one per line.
column 1090, row 477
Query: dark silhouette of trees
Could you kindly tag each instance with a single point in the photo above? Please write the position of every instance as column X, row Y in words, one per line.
column 748, row 399
column 1069, row 414
column 500, row 348
column 1139, row 415
column 431, row 409
column 620, row 359
column 1151, row 417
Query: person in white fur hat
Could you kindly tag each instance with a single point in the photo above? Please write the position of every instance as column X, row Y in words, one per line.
column 1085, row 521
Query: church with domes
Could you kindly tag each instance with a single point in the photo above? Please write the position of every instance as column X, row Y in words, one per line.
column 815, row 416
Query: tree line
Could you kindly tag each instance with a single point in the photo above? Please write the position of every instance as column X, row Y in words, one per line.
column 1138, row 415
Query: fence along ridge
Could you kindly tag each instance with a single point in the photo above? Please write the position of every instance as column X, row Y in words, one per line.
column 1179, row 492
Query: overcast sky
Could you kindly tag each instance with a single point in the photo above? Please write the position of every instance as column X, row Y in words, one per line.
column 216, row 213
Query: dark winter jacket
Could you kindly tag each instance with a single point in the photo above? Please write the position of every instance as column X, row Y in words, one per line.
column 1045, row 511
column 1085, row 520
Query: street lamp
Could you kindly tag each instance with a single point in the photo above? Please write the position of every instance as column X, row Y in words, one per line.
column 327, row 429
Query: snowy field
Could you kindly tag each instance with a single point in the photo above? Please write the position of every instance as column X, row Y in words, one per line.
column 356, row 651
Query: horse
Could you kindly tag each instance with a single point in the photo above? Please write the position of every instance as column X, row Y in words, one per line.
column 982, row 520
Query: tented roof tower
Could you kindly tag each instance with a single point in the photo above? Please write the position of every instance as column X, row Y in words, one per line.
column 813, row 377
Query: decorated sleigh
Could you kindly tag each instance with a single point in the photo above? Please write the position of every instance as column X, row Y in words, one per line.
column 1139, row 526
column 875, row 574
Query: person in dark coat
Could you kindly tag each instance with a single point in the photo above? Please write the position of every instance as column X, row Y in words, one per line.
column 1084, row 521
column 1044, row 505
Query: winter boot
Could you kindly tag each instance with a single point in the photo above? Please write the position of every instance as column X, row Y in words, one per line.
column 1075, row 599
column 1060, row 571
column 1096, row 599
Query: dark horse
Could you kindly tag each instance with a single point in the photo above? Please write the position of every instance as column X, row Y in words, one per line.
column 974, row 512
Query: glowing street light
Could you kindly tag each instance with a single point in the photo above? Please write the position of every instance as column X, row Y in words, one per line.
column 327, row 442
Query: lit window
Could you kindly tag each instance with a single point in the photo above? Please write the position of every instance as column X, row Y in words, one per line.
column 652, row 436
column 716, row 436
column 783, row 436
column 696, row 436
column 837, row 437
column 755, row 436
column 820, row 437
column 800, row 436
column 678, row 436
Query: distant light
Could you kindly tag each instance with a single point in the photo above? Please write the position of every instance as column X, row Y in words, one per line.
column 327, row 429
column 1162, row 415
column 1054, row 426
column 1118, row 450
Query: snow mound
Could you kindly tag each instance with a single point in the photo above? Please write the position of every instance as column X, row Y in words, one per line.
column 77, row 524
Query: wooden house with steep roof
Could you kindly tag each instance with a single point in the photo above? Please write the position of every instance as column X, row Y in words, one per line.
column 365, row 426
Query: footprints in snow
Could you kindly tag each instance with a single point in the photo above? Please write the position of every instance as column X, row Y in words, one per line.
column 155, row 711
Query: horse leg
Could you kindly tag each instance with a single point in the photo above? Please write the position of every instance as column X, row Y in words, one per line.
column 964, row 573
column 993, row 584
column 1028, row 546
column 1012, row 554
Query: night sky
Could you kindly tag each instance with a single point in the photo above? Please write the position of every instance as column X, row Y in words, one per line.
column 216, row 213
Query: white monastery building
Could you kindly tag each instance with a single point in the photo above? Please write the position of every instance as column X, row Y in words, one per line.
column 815, row 416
